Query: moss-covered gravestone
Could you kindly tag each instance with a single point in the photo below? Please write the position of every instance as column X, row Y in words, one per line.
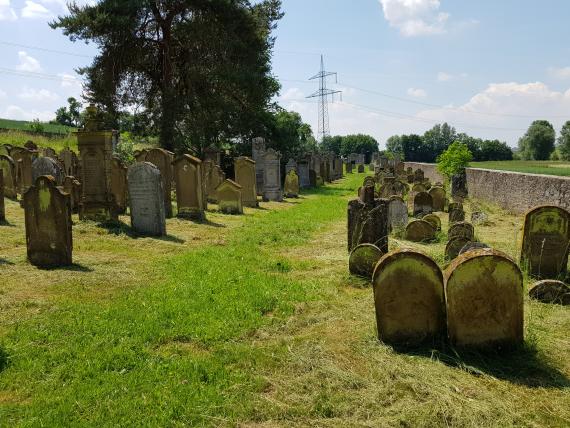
column 69, row 161
column 409, row 298
column 244, row 168
column 48, row 224
column 9, row 172
column 550, row 291
column 47, row 166
column 119, row 185
column 456, row 215
column 369, row 181
column 229, row 197
column 291, row 187
column 363, row 259
column 146, row 197
column 2, row 206
column 368, row 221
column 73, row 188
column 418, row 188
column 420, row 231
column 423, row 204
column 546, row 241
column 454, row 246
column 438, row 196
column 472, row 246
column 189, row 187
column 434, row 220
column 463, row 229
column 484, row 291
column 23, row 160
column 418, row 176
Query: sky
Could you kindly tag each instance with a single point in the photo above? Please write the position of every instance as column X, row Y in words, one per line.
column 487, row 67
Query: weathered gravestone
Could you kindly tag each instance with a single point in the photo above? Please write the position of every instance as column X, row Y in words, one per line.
column 363, row 259
column 272, row 176
column 48, row 224
column 189, row 187
column 30, row 145
column 484, row 291
column 258, row 156
column 459, row 186
column 229, row 197
column 140, row 155
column 409, row 298
column 9, row 172
column 303, row 168
column 546, row 242
column 456, row 215
column 472, row 246
column 48, row 152
column 291, row 166
column 463, row 229
column 245, row 176
column 434, row 220
column 2, row 205
column 212, row 154
column 438, row 196
column 146, row 197
column 368, row 221
column 420, row 231
column 423, row 204
column 419, row 176
column 47, row 166
column 119, row 185
column 291, row 187
column 69, row 161
column 209, row 191
column 349, row 167
column 23, row 160
column 72, row 187
column 360, row 168
column 454, row 246
column 162, row 160
column 550, row 291
column 418, row 188
column 397, row 213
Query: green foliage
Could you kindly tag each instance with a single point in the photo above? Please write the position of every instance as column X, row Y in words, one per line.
column 454, row 160
column 125, row 148
column 394, row 145
column 37, row 126
column 564, row 142
column 290, row 135
column 22, row 125
column 70, row 115
column 538, row 142
column 332, row 144
column 359, row 143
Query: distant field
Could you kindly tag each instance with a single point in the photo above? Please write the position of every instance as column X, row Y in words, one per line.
column 22, row 125
column 533, row 167
column 57, row 142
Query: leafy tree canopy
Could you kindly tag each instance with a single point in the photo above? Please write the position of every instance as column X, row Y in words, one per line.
column 538, row 142
column 454, row 160
column 564, row 142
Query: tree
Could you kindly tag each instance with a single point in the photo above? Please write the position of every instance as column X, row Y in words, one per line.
column 495, row 150
column 564, row 142
column 359, row 143
column 538, row 142
column 70, row 115
column 394, row 145
column 332, row 144
column 454, row 160
column 437, row 140
column 290, row 135
column 201, row 69
column 413, row 148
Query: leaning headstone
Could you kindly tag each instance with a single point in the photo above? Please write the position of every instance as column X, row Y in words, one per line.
column 546, row 242
column 229, row 197
column 47, row 166
column 463, row 229
column 244, row 169
column 272, row 176
column 162, row 160
column 550, row 291
column 420, row 231
column 363, row 259
column 484, row 291
column 397, row 213
column 408, row 298
column 368, row 221
column 119, row 185
column 423, row 204
column 438, row 196
column 434, row 220
column 73, row 188
column 48, row 224
column 9, row 172
column 189, row 187
column 455, row 245
column 291, row 187
column 146, row 197
column 258, row 156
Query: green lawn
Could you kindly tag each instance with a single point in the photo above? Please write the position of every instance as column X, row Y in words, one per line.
column 249, row 321
column 534, row 167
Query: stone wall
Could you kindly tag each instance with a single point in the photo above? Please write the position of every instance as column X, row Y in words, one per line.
column 513, row 191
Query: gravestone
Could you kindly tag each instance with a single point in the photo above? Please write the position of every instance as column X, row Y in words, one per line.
column 438, row 196
column 69, row 161
column 23, row 160
column 245, row 176
column 459, row 186
column 484, row 291
column 48, row 224
column 189, row 187
column 140, row 155
column 229, row 197
column 30, row 145
column 9, row 173
column 423, row 204
column 455, row 245
column 550, row 291
column 212, row 154
column 349, row 167
column 291, row 187
column 217, row 177
column 433, row 220
column 455, row 206
column 272, row 176
column 368, row 181
column 2, row 204
column 258, row 156
column 360, row 168
column 146, row 197
column 368, row 221
column 397, row 213
column 119, row 185
column 95, row 152
column 418, row 188
column 313, row 178
column 73, row 188
column 363, row 259
column 47, row 166
column 463, row 229
column 162, row 160
column 48, row 152
column 472, row 246
column 546, row 241
column 456, row 215
column 291, row 166
column 408, row 298
column 420, row 231
column 418, row 176
column 304, row 178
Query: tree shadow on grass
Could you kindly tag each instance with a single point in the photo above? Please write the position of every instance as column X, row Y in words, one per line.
column 6, row 262
column 4, row 359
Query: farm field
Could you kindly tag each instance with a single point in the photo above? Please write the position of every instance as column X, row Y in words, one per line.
column 533, row 167
column 22, row 125
column 250, row 321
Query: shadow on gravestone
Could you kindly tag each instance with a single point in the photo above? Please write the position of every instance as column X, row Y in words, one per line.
column 420, row 231
column 550, row 291
column 363, row 259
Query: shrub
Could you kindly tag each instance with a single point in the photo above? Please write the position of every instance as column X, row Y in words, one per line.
column 454, row 160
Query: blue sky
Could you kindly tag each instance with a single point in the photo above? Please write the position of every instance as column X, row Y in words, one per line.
column 487, row 67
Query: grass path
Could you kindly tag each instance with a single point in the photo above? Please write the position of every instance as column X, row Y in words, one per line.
column 249, row 321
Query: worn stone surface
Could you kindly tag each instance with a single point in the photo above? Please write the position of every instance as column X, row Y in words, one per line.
column 434, row 220
column 360, row 169
column 291, row 166
column 438, row 196
column 455, row 245
column 229, row 195
column 423, row 204
column 72, row 187
column 397, row 213
column 459, row 185
column 463, row 229
column 189, row 187
column 244, row 168
column 420, row 231
column 48, row 224
column 368, row 223
column 162, row 160
column 140, row 155
column 258, row 156
column 2, row 205
column 546, row 242
column 146, row 199
column 303, row 169
column 456, row 216
column 9, row 173
column 348, row 168
column 69, row 161
column 119, row 185
column 291, row 187
column 484, row 290
column 550, row 291
column 47, row 166
column 418, row 188
column 408, row 298
column 363, row 259
column 23, row 160
column 472, row 246
column 419, row 176
column 272, row 176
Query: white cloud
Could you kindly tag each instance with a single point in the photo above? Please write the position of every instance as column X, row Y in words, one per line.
column 292, row 94
column 417, row 93
column 442, row 76
column 18, row 113
column 69, row 80
column 3, row 94
column 35, row 10
column 559, row 73
column 37, row 95
column 28, row 63
column 7, row 13
column 415, row 17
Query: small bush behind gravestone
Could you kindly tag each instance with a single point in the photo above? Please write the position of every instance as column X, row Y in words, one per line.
column 454, row 160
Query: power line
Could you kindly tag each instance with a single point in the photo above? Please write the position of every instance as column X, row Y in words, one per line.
column 19, row 45
column 36, row 75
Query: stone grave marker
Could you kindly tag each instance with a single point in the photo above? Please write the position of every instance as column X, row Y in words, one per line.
column 2, row 205
column 48, row 224
column 550, row 291
column 140, row 155
column 23, row 160
column 418, row 176
column 189, row 187
column 217, row 177
column 146, row 197
column 244, row 168
column 48, row 152
column 229, row 197
column 438, row 196
column 455, row 245
column 434, row 220
column 119, row 185
column 368, row 221
column 291, row 166
column 408, row 298
column 455, row 206
column 258, row 156
column 418, row 188
column 30, row 145
column 209, row 192
column 69, row 161
column 472, row 246
column 456, row 216
column 272, row 176
column 72, row 187
column 162, row 160
column 360, row 168
column 47, row 166
column 546, row 242
column 420, row 231
column 291, row 187
column 349, row 167
column 9, row 173
column 304, row 179
column 423, row 204
column 363, row 259
column 484, row 290
column 397, row 213
column 459, row 186
column 463, row 229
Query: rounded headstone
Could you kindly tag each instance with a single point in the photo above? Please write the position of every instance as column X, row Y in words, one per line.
column 463, row 229
column 472, row 246
column 397, row 213
column 49, row 167
column 420, row 231
column 423, row 204
column 454, row 246
column 434, row 220
column 550, row 291
column 363, row 259
column 438, row 196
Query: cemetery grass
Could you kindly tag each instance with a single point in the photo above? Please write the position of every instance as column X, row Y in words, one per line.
column 18, row 138
column 533, row 167
column 250, row 321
